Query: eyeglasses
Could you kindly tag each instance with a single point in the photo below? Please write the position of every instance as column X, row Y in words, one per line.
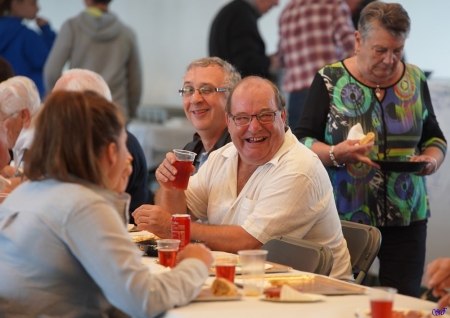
column 246, row 119
column 206, row 90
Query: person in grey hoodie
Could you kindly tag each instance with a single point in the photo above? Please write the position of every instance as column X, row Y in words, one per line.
column 96, row 40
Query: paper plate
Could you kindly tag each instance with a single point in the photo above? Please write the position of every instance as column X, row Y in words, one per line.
column 308, row 298
column 207, row 295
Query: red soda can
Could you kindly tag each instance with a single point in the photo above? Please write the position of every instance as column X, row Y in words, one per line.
column 181, row 229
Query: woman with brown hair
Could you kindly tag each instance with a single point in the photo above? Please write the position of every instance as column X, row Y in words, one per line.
column 65, row 249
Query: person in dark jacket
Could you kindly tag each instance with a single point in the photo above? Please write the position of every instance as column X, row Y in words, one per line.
column 234, row 37
column 22, row 47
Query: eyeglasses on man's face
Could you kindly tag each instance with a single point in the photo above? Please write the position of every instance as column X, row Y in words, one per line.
column 246, row 119
column 205, row 90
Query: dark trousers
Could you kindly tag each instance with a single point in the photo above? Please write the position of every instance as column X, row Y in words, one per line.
column 295, row 106
column 402, row 257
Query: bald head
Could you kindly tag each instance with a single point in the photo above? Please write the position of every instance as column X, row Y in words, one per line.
column 83, row 80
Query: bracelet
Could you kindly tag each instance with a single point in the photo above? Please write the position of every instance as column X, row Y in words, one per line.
column 435, row 164
column 333, row 158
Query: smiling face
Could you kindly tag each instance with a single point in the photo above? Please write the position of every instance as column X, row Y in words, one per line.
column 205, row 112
column 256, row 143
column 379, row 55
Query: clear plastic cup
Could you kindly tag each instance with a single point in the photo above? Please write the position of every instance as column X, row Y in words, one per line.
column 183, row 165
column 253, row 267
column 167, row 252
column 225, row 266
column 381, row 301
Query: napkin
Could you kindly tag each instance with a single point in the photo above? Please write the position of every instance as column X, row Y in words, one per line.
column 289, row 294
column 356, row 132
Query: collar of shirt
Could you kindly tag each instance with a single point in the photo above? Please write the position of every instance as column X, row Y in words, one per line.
column 289, row 139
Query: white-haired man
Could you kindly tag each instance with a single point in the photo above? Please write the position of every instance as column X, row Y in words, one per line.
column 19, row 102
column 81, row 80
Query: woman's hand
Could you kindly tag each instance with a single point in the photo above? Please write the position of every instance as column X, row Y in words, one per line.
column 431, row 166
column 166, row 172
column 350, row 151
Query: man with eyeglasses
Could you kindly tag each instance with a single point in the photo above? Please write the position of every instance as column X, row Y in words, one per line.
column 263, row 185
column 206, row 86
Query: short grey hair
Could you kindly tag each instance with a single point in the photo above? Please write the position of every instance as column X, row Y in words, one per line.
column 390, row 16
column 232, row 76
column 79, row 80
column 18, row 93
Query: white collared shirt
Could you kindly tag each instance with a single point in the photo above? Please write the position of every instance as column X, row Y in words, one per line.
column 289, row 195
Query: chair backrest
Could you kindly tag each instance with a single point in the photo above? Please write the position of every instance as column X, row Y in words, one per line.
column 363, row 243
column 300, row 255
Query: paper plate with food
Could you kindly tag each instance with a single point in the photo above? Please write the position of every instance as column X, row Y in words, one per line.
column 288, row 294
column 221, row 290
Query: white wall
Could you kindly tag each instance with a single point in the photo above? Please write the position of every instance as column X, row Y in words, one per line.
column 171, row 33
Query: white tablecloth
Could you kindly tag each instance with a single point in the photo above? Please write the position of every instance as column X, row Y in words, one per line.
column 248, row 307
column 158, row 139
column 332, row 307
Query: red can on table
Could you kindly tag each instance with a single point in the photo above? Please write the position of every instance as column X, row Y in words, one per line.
column 181, row 229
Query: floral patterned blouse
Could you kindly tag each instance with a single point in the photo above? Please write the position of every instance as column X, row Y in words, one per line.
column 404, row 124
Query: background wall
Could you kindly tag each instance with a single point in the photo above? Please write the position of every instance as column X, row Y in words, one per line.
column 172, row 33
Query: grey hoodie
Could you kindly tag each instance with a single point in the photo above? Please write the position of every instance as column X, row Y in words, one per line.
column 103, row 45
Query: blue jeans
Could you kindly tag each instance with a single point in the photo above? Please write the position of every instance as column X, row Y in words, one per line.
column 296, row 101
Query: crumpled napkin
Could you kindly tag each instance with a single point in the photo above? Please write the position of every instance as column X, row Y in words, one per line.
column 288, row 294
column 356, row 132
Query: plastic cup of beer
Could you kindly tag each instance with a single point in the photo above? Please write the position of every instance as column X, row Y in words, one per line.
column 183, row 165
column 225, row 266
column 253, row 267
column 167, row 252
column 381, row 301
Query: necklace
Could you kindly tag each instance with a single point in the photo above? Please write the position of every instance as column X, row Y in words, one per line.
column 377, row 89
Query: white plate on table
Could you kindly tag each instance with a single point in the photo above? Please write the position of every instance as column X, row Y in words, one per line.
column 207, row 295
column 309, row 298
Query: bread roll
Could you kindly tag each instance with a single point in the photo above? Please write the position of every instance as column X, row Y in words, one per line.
column 369, row 138
column 223, row 287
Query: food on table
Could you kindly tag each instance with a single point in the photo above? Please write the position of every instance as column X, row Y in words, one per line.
column 369, row 138
column 143, row 236
column 272, row 292
column 223, row 287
